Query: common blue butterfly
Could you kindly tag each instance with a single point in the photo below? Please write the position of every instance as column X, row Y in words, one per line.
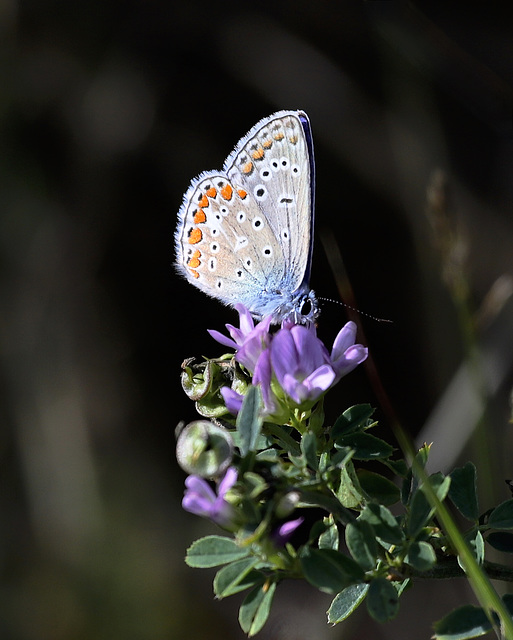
column 245, row 234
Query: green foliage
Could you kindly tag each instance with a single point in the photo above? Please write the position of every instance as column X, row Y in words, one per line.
column 255, row 609
column 249, row 423
column 502, row 516
column 345, row 602
column 465, row 622
column 329, row 570
column 213, row 551
column 388, row 524
column 382, row 600
column 463, row 491
column 361, row 542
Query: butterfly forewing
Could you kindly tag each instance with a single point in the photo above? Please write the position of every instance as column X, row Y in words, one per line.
column 272, row 163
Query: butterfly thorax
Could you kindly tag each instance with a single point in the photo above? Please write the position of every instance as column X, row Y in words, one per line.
column 301, row 307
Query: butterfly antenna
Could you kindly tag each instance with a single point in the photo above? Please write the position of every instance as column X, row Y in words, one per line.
column 348, row 306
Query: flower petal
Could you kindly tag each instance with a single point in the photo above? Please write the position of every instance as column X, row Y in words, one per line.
column 319, row 381
column 229, row 479
column 345, row 339
column 218, row 337
column 353, row 356
column 281, row 535
column 232, row 400
column 309, row 348
column 284, row 357
column 199, row 486
column 245, row 319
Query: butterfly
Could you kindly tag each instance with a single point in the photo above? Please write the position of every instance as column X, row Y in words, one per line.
column 245, row 233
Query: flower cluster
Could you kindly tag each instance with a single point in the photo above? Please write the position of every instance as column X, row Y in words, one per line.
column 291, row 366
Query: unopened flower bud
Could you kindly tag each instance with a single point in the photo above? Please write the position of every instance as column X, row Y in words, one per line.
column 204, row 449
column 287, row 503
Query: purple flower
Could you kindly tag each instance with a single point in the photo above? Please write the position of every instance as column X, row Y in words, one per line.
column 200, row 499
column 346, row 355
column 302, row 365
column 294, row 357
column 232, row 400
column 283, row 533
column 249, row 341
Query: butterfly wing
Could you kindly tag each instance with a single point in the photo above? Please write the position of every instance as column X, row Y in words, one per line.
column 244, row 233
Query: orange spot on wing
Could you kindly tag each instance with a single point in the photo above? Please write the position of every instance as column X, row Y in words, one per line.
column 212, row 192
column 242, row 193
column 279, row 136
column 203, row 202
column 293, row 139
column 227, row 192
column 194, row 273
column 199, row 216
column 267, row 144
column 258, row 154
column 195, row 236
column 194, row 260
column 247, row 168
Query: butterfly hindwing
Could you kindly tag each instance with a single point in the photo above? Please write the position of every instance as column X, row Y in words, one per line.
column 245, row 233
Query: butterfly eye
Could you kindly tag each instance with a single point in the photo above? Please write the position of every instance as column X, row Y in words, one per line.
column 306, row 307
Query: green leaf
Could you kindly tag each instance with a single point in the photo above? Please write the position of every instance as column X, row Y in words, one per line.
column 501, row 540
column 329, row 539
column 502, row 516
column 327, row 502
column 249, row 422
column 283, row 439
column 382, row 600
column 213, row 551
column 463, row 491
column 421, row 511
column 362, row 545
column 378, row 488
column 236, row 577
column 383, row 522
column 256, row 607
column 465, row 622
column 353, row 419
column 399, row 467
column 349, row 491
column 421, row 556
column 329, row 570
column 366, row 446
column 346, row 602
column 475, row 541
column 309, row 449
column 316, row 420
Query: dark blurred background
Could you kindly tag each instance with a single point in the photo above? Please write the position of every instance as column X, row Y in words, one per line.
column 107, row 110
